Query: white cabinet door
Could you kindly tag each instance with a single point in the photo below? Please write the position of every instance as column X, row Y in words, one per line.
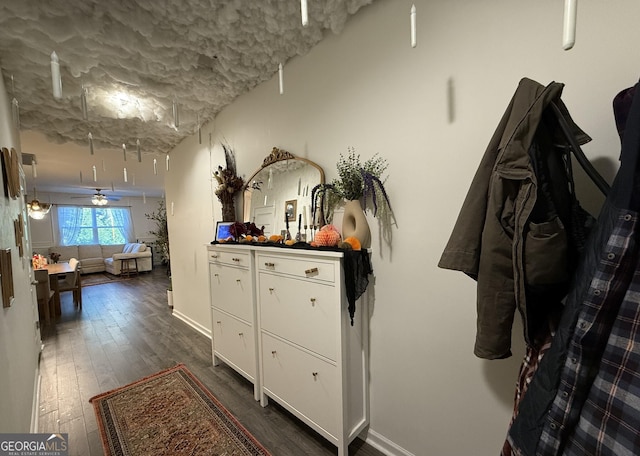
column 234, row 343
column 231, row 290
column 304, row 313
column 304, row 382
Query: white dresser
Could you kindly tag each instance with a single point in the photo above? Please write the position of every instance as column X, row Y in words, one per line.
column 233, row 311
column 310, row 359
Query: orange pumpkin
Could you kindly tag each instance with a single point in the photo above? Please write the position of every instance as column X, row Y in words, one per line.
column 354, row 242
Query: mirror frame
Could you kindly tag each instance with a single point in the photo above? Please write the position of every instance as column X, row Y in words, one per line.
column 275, row 156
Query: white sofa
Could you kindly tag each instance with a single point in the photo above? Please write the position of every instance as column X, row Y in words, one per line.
column 99, row 258
column 134, row 251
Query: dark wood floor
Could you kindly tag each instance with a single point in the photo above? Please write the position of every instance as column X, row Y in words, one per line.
column 125, row 331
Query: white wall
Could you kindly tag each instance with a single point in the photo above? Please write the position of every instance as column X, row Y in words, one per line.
column 19, row 337
column 369, row 89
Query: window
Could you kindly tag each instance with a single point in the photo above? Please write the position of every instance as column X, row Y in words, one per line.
column 94, row 225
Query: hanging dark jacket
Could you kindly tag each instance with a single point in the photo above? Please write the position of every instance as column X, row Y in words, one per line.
column 494, row 240
column 554, row 403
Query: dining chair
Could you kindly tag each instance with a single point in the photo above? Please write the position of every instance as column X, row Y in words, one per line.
column 72, row 282
column 45, row 295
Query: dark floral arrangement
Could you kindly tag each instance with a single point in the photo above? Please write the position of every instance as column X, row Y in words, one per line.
column 239, row 230
column 55, row 257
column 356, row 181
column 229, row 183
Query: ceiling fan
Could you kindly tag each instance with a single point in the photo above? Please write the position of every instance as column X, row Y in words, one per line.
column 99, row 198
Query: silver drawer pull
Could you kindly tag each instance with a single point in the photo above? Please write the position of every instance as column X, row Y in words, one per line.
column 271, row 290
column 270, row 265
column 214, row 256
column 273, row 353
column 311, row 271
column 315, row 375
column 313, row 301
column 236, row 259
column 238, row 280
column 219, row 322
column 241, row 334
column 216, row 275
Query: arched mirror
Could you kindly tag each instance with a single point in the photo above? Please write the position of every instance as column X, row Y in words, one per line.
column 280, row 192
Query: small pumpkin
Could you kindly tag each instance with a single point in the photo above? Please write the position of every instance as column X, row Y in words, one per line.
column 275, row 238
column 289, row 242
column 249, row 238
column 262, row 238
column 354, row 242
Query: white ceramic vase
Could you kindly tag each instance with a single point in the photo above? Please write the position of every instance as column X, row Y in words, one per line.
column 354, row 223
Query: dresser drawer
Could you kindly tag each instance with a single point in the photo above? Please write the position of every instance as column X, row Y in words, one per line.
column 234, row 341
column 302, row 312
column 306, row 383
column 305, row 268
column 231, row 290
column 230, row 257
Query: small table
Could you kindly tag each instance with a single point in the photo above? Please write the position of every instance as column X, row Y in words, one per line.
column 54, row 271
column 125, row 267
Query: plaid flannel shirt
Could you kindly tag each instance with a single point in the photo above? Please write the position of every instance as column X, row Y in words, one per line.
column 610, row 418
column 586, row 352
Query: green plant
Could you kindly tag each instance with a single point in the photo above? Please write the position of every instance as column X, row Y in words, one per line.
column 356, row 181
column 161, row 232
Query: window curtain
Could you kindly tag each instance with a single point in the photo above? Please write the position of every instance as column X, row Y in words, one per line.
column 69, row 224
column 76, row 223
column 122, row 221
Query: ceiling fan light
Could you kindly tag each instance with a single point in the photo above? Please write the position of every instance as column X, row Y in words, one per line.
column 99, row 200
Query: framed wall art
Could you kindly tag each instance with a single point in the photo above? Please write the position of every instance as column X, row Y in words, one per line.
column 6, row 277
column 290, row 210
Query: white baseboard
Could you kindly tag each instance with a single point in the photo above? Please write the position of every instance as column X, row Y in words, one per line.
column 194, row 324
column 35, row 407
column 383, row 444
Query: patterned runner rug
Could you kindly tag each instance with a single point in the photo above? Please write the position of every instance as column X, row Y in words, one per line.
column 169, row 413
column 98, row 278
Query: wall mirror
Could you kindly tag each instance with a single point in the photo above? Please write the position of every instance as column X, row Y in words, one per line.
column 280, row 187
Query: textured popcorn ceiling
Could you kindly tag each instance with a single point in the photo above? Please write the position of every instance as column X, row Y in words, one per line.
column 136, row 58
